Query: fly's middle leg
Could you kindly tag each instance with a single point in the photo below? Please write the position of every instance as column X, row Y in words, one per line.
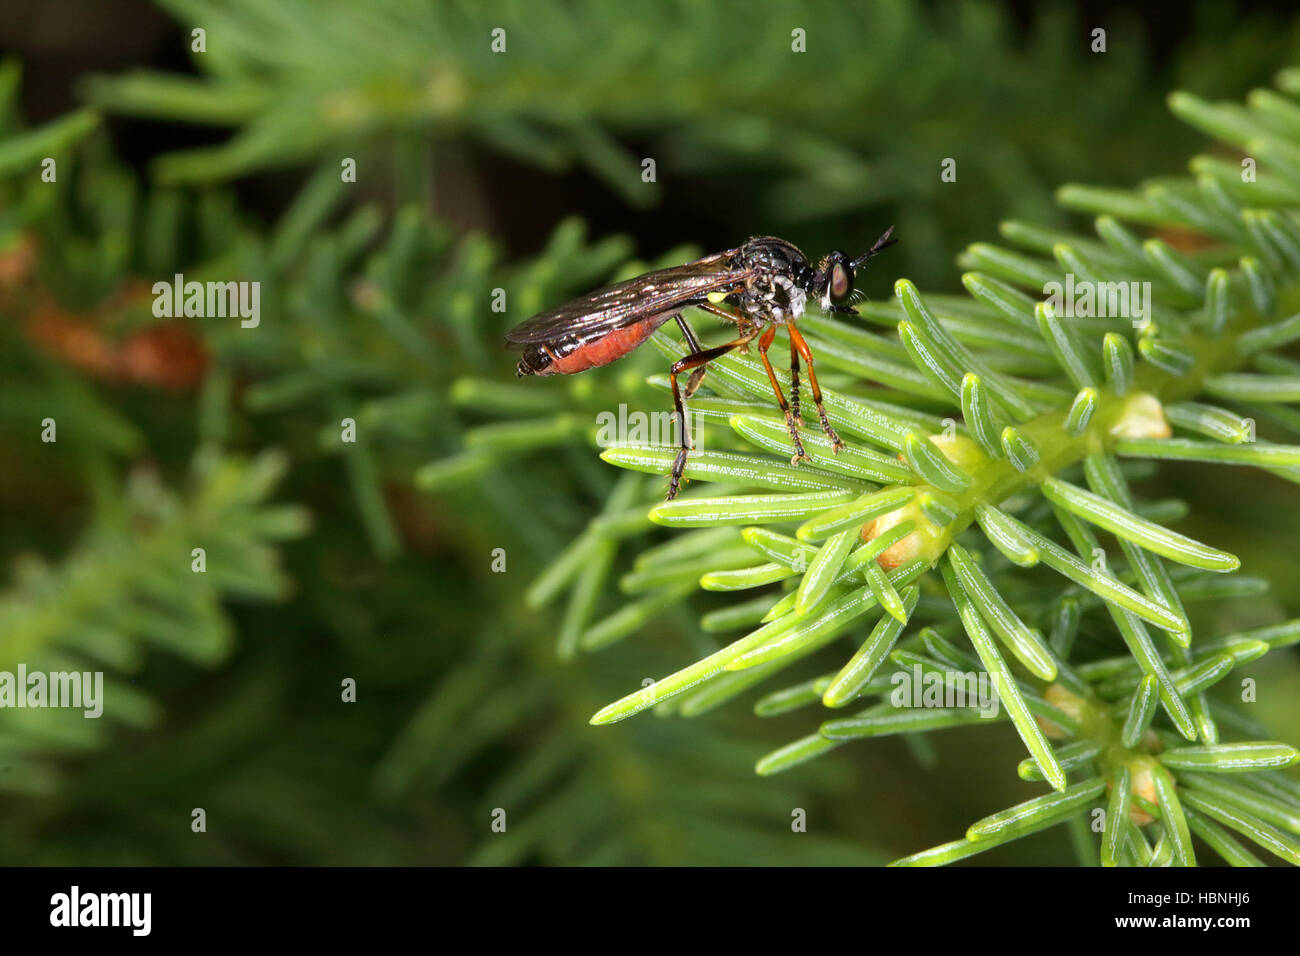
column 693, row 383
column 765, row 343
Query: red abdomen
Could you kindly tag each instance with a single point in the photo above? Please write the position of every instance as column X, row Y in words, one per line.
column 565, row 358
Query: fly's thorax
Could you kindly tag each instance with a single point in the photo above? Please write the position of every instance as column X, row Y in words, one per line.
column 770, row 254
column 773, row 297
column 775, row 290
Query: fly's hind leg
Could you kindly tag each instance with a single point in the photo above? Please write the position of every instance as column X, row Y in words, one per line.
column 698, row 361
column 742, row 343
column 693, row 344
column 797, row 341
column 765, row 343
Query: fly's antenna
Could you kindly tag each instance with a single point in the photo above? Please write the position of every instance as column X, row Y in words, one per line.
column 880, row 244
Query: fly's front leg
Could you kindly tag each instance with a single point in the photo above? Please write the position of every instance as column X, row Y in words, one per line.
column 699, row 361
column 764, row 344
column 797, row 340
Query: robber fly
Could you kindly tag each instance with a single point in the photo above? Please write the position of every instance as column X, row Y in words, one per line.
column 758, row 286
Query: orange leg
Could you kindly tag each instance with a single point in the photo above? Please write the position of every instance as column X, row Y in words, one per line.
column 764, row 344
column 798, row 342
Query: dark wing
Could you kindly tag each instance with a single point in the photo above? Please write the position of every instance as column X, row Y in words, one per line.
column 647, row 296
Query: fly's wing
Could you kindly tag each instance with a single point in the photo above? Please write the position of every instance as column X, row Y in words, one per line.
column 627, row 303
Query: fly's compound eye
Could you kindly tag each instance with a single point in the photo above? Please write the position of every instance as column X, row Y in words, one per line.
column 841, row 283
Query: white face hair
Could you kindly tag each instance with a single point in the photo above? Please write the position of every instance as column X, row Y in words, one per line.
column 823, row 270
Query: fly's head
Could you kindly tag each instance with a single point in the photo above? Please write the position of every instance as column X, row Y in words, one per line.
column 832, row 283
